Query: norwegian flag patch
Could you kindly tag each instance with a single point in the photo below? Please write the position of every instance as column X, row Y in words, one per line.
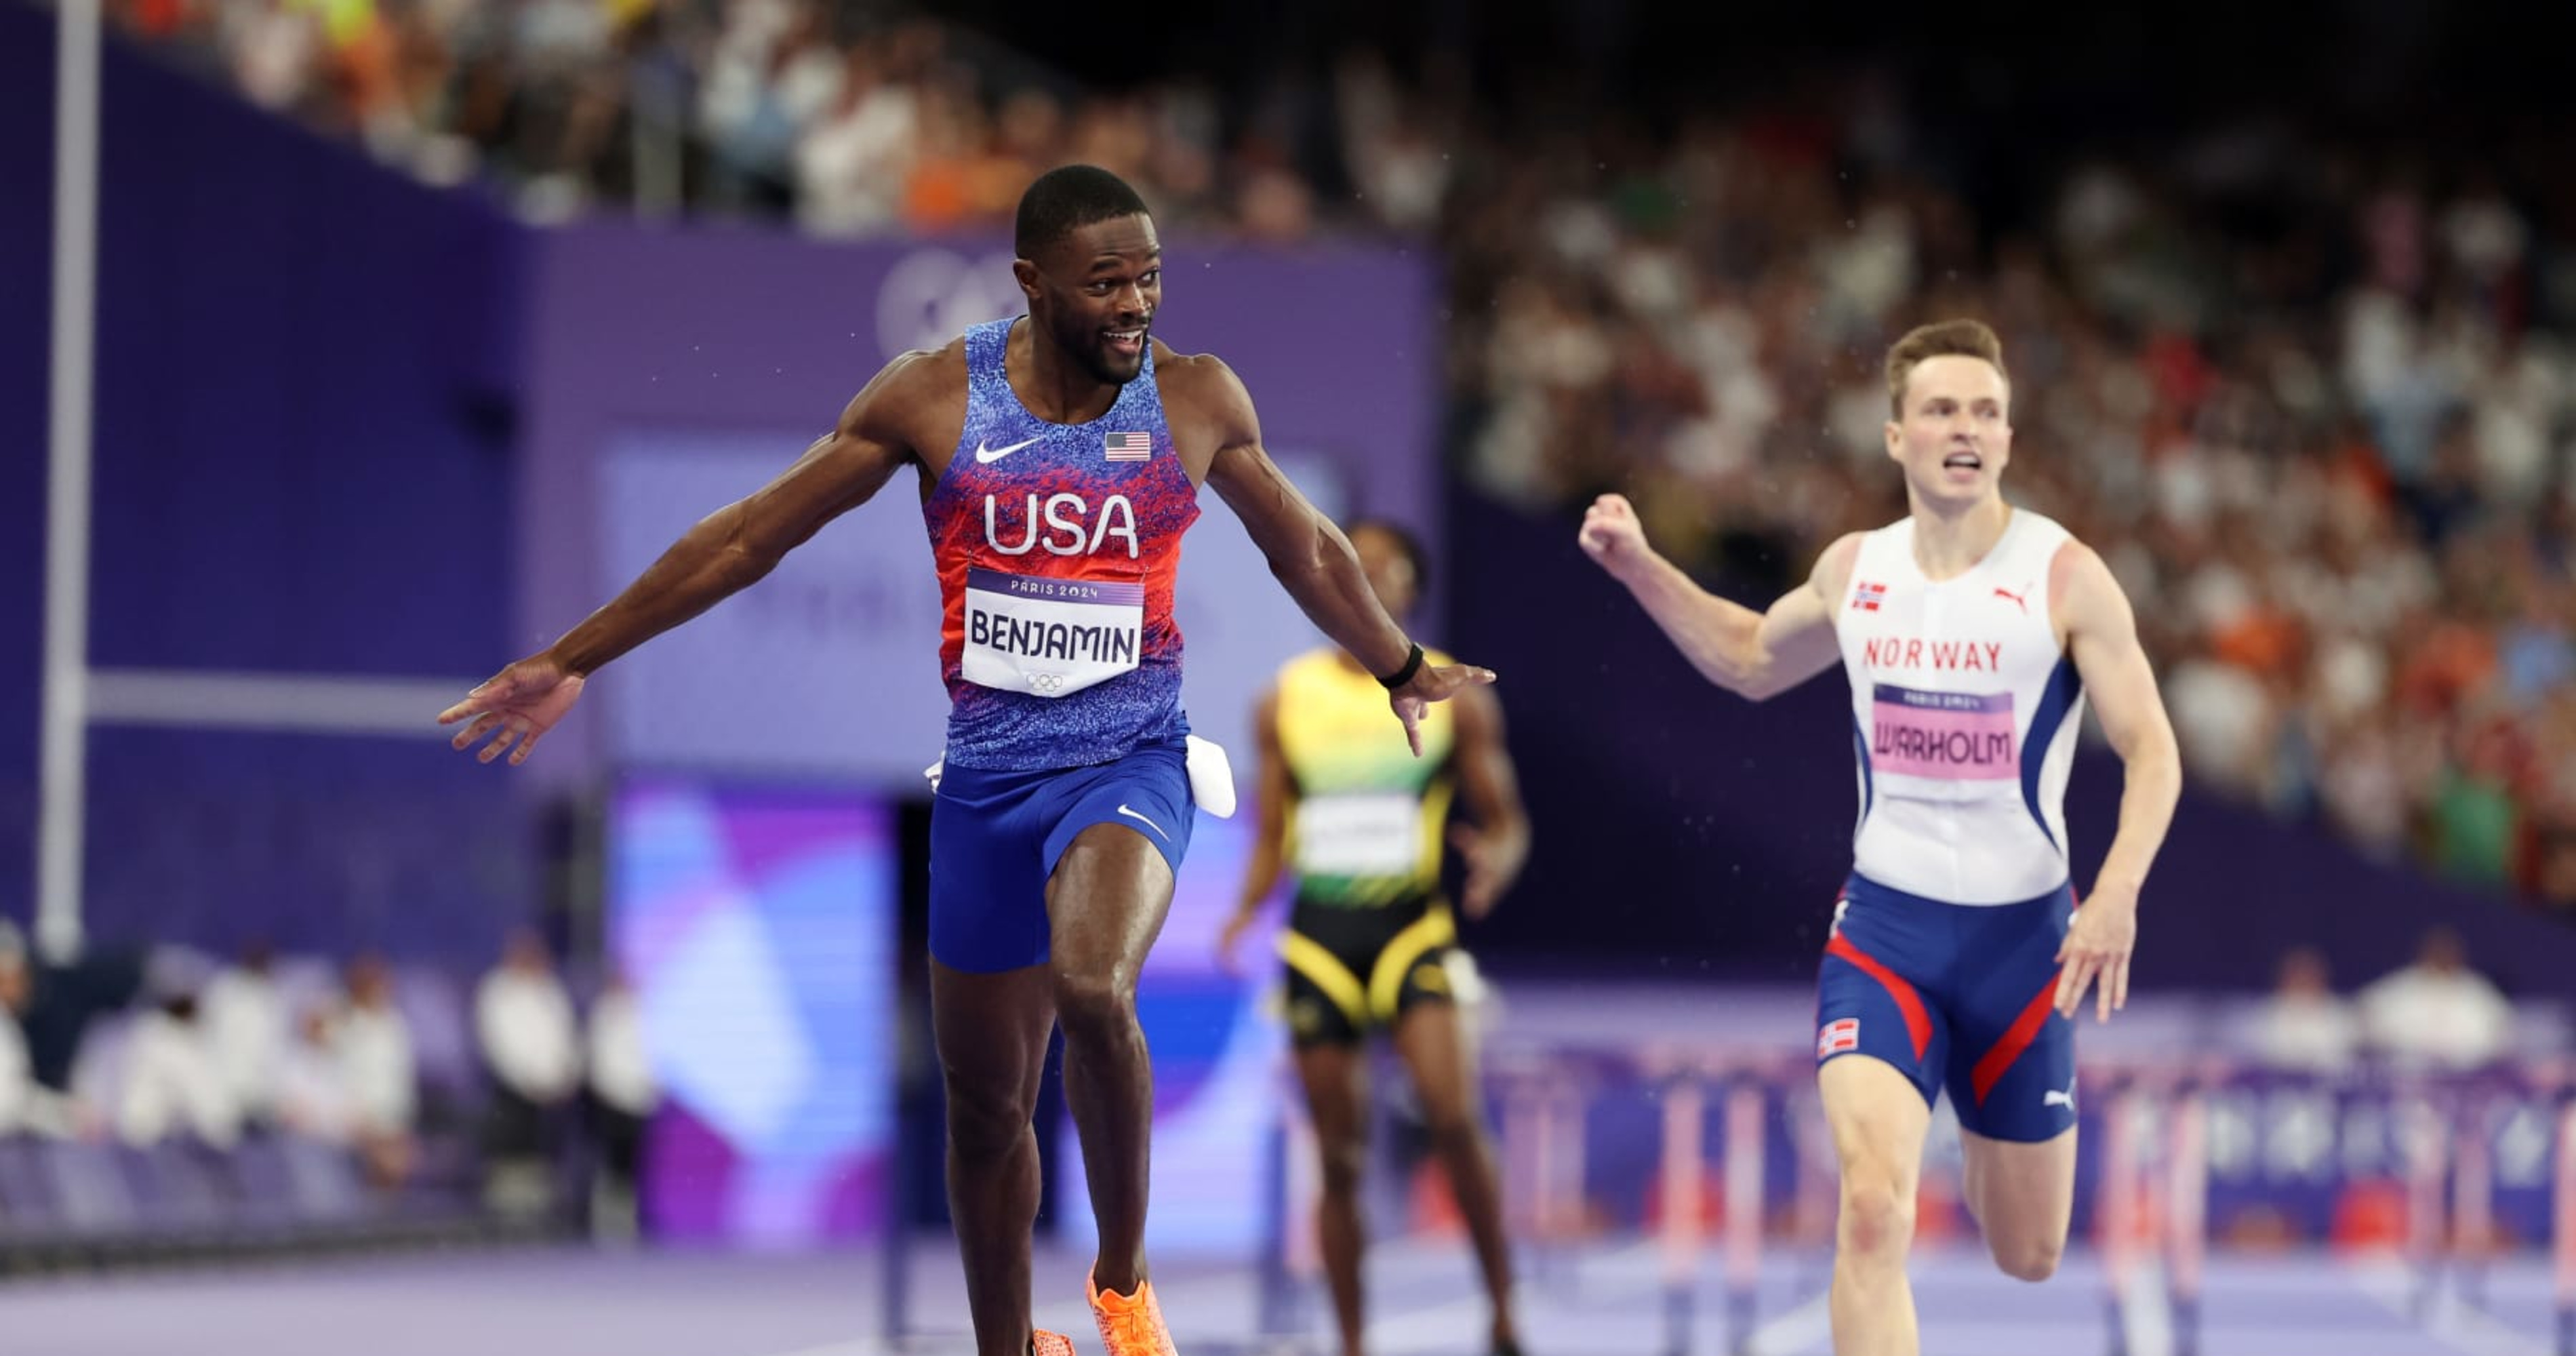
column 1867, row 596
column 1838, row 1036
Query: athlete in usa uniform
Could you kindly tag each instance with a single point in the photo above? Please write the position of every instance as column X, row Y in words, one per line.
column 1059, row 457
column 1973, row 635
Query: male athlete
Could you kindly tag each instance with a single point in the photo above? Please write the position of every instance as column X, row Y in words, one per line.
column 1369, row 935
column 1059, row 459
column 1972, row 633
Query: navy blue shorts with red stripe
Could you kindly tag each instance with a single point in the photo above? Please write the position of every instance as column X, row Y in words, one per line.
column 1955, row 995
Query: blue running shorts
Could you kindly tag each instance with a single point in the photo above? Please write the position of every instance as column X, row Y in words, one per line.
column 996, row 836
column 1955, row 995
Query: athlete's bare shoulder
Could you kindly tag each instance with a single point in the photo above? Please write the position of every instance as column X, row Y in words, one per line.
column 2081, row 586
column 1833, row 571
column 1206, row 405
column 918, row 401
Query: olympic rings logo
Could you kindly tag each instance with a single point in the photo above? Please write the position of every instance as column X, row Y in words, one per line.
column 1046, row 684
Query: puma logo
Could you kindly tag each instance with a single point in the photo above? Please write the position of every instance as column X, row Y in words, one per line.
column 2053, row 1097
column 2018, row 599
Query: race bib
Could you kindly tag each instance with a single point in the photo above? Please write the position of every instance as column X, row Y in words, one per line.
column 1362, row 834
column 1049, row 637
column 1946, row 736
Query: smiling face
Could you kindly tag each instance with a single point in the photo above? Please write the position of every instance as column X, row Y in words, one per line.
column 1953, row 430
column 1094, row 293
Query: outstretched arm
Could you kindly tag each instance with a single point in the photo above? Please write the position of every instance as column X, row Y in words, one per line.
column 1312, row 559
column 1755, row 655
column 2102, row 636
column 1497, row 845
column 736, row 546
column 726, row 552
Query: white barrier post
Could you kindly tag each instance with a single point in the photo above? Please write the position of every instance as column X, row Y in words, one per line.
column 2115, row 1217
column 2562, row 1241
column 1746, row 1156
column 1685, row 1115
column 2186, row 1216
column 2473, row 1203
column 2426, row 1164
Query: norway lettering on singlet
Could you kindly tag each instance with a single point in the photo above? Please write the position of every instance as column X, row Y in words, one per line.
column 1964, row 712
column 1057, row 547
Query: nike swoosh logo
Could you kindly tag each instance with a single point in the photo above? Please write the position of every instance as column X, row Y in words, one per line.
column 1122, row 809
column 987, row 456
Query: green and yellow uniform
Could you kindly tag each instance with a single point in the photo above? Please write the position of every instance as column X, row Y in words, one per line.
column 1369, row 935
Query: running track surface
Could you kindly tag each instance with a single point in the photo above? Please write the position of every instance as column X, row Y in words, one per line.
column 1603, row 1302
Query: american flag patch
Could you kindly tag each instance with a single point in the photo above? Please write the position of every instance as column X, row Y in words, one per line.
column 1838, row 1036
column 1866, row 596
column 1129, row 447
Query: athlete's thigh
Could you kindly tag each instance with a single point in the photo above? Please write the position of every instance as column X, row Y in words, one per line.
column 1335, row 1077
column 1106, row 901
column 991, row 1033
column 1434, row 1049
column 2023, row 1193
column 987, row 879
column 1868, row 1000
column 2011, row 1069
column 1878, row 1118
column 1117, row 836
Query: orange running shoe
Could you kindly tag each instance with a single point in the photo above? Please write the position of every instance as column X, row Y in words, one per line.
column 1050, row 1344
column 1130, row 1325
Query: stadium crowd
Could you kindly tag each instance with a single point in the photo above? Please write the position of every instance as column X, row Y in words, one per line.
column 2314, row 401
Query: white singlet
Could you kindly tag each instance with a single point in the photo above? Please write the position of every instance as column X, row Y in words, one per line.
column 1964, row 711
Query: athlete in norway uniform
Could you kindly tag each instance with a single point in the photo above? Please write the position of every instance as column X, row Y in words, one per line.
column 1972, row 634
column 1059, row 458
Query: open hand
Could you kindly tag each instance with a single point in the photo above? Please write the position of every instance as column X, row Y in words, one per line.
column 1230, row 941
column 1433, row 683
column 2097, row 946
column 1492, row 862
column 522, row 701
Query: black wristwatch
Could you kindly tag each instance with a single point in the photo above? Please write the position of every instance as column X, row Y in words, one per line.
column 1402, row 676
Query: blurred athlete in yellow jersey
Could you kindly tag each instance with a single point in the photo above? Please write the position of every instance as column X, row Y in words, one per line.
column 1363, row 823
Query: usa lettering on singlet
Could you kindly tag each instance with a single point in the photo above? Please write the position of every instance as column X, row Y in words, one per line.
column 1964, row 711
column 1057, row 547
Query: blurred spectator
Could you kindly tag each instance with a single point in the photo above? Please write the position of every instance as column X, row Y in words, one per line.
column 375, row 1050
column 2316, row 404
column 245, row 1025
column 2438, row 1012
column 2304, row 1026
column 623, row 1094
column 523, row 1021
column 314, row 1095
column 172, row 1083
column 26, row 1106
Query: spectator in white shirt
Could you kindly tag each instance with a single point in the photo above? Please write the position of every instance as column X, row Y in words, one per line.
column 244, row 1018
column 523, row 1019
column 2305, row 1027
column 314, row 1097
column 374, row 1045
column 2437, row 1012
column 172, row 1084
column 623, row 1095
